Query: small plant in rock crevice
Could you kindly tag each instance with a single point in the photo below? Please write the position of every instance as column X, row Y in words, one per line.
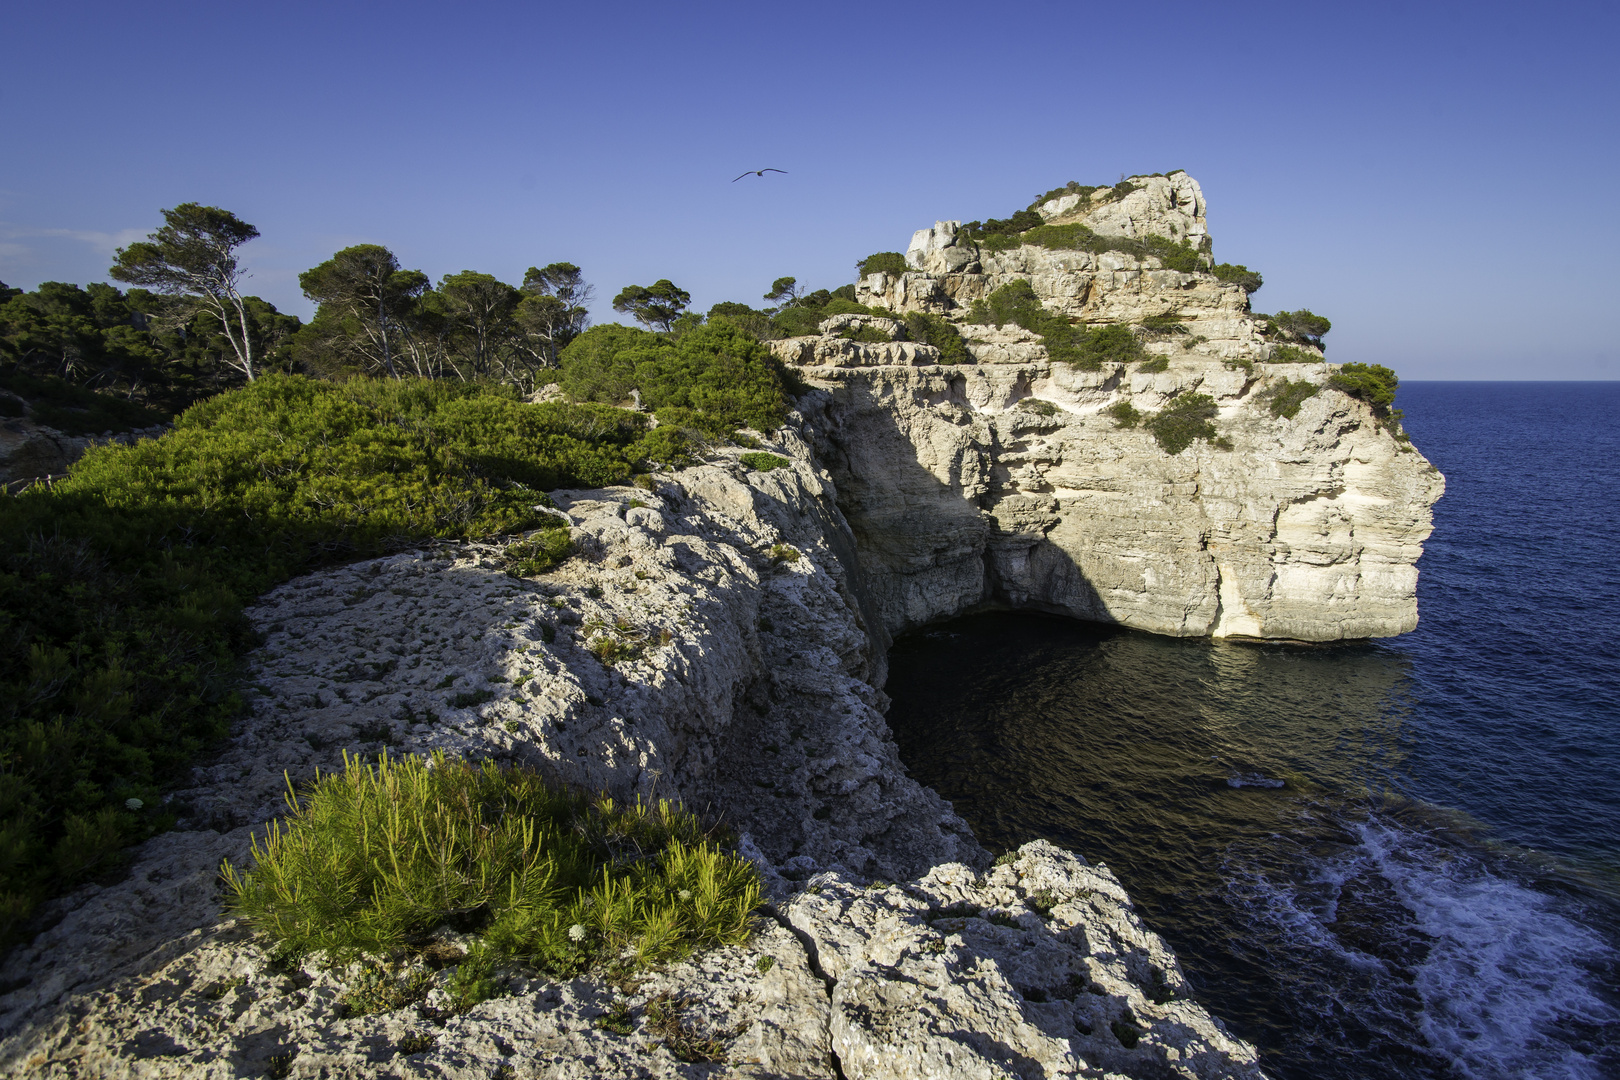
column 539, row 553
column 1286, row 397
column 1186, row 419
column 762, row 462
column 1125, row 414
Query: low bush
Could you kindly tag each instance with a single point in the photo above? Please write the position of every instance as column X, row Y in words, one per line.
column 941, row 334
column 1373, row 383
column 1240, row 275
column 375, row 858
column 1172, row 254
column 1186, row 419
column 1287, row 396
column 1154, row 364
column 121, row 587
column 1301, row 325
column 716, row 378
column 869, row 334
column 540, row 553
column 1016, row 303
column 892, row 263
column 1125, row 414
column 1291, row 354
column 1037, row 406
column 762, row 462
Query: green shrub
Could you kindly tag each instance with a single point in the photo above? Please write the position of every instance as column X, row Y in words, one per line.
column 1037, row 406
column 121, row 587
column 796, row 322
column 870, row 334
column 1125, row 414
column 1154, row 364
column 715, row 379
column 540, row 553
column 1172, row 254
column 941, row 334
column 1187, row 418
column 1291, row 354
column 1238, row 274
column 884, row 262
column 1301, row 325
column 1016, row 303
column 1286, row 397
column 372, row 859
column 763, row 462
column 1373, row 383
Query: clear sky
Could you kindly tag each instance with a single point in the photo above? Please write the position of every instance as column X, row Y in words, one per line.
column 1438, row 179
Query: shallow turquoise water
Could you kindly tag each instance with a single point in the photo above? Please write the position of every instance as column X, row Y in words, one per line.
column 1390, row 859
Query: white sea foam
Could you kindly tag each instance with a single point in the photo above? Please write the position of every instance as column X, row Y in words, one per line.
column 1506, row 969
column 1497, row 973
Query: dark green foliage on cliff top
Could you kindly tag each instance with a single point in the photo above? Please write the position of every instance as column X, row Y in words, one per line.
column 374, row 858
column 1238, row 274
column 1073, row 187
column 121, row 587
column 1302, row 325
column 884, row 262
column 1373, row 383
column 714, row 379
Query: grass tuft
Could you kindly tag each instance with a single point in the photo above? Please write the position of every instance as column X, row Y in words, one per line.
column 762, row 462
column 539, row 553
column 373, row 859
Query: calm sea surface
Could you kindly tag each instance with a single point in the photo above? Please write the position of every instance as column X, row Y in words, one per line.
column 1386, row 860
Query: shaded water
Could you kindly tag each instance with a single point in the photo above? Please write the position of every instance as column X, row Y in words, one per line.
column 1391, row 859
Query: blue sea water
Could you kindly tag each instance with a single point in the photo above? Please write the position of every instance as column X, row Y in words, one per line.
column 1387, row 859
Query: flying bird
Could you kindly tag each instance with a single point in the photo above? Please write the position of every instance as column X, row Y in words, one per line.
column 760, row 172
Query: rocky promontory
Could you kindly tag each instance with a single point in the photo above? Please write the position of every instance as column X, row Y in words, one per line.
column 749, row 612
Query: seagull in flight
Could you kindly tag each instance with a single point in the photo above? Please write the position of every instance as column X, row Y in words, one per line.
column 760, row 172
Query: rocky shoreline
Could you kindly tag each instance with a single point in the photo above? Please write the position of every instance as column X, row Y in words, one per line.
column 720, row 637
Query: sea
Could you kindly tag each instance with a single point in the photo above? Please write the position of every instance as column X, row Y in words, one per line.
column 1397, row 858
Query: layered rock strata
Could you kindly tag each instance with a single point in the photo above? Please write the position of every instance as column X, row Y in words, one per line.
column 1008, row 482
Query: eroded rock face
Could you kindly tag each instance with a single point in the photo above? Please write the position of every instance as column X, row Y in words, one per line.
column 1008, row 482
column 747, row 690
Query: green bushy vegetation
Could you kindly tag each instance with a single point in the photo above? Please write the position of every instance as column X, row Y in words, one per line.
column 1187, row 418
column 1291, row 354
column 1287, row 396
column 763, row 462
column 1087, row 349
column 1376, row 385
column 75, row 410
column 713, row 379
column 1037, row 406
column 884, row 262
column 121, row 587
column 1238, row 274
column 373, row 859
column 1125, row 414
column 1302, row 326
column 539, row 554
column 1154, row 364
column 940, row 333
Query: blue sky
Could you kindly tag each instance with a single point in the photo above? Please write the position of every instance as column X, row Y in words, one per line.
column 1438, row 179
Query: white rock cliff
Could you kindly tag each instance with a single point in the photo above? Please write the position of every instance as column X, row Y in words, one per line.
column 759, row 607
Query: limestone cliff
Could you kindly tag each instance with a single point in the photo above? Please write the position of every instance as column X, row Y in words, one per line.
column 1008, row 481
column 751, row 612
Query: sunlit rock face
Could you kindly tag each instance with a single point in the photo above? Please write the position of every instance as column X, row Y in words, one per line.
column 1010, row 482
